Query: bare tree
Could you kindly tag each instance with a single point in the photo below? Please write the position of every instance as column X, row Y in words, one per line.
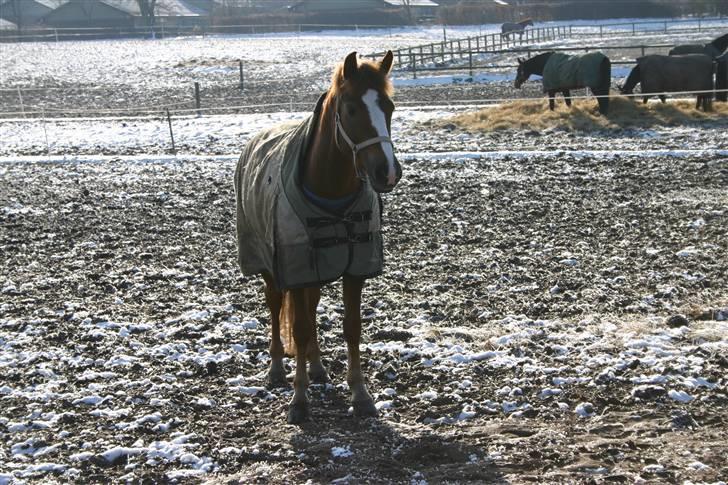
column 147, row 9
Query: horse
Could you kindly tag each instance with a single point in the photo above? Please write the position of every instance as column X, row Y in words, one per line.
column 659, row 74
column 713, row 49
column 561, row 73
column 509, row 28
column 308, row 199
column 721, row 78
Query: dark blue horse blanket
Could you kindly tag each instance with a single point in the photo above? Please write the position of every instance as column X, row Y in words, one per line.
column 572, row 72
column 282, row 232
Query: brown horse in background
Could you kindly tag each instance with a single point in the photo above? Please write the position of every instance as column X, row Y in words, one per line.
column 509, row 28
column 349, row 152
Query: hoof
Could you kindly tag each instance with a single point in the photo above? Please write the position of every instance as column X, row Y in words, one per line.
column 298, row 413
column 365, row 409
column 277, row 379
column 318, row 376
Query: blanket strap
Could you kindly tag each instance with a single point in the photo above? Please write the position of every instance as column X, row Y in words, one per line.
column 326, row 242
column 362, row 216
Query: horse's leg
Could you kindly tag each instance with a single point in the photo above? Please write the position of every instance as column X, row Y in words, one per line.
column 298, row 410
column 567, row 97
column 644, row 99
column 316, row 370
column 552, row 103
column 361, row 400
column 663, row 98
column 274, row 300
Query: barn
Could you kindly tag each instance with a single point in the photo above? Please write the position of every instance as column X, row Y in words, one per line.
column 122, row 14
column 367, row 11
column 27, row 13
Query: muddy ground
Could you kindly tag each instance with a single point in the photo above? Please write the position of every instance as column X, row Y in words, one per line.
column 521, row 331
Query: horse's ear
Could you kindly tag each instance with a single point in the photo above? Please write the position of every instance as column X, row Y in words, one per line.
column 520, row 60
column 351, row 66
column 385, row 65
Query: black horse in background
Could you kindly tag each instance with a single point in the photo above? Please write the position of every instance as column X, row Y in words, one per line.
column 561, row 73
column 714, row 49
column 658, row 74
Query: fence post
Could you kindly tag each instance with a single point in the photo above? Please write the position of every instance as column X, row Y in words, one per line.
column 197, row 98
column 414, row 66
column 643, row 51
column 444, row 34
column 633, row 29
column 601, row 32
column 665, row 25
column 171, row 134
column 56, row 32
column 470, row 63
column 242, row 79
column 22, row 107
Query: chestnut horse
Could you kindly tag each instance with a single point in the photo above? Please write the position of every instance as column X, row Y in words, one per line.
column 349, row 151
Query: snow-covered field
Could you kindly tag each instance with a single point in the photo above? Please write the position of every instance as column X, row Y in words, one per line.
column 558, row 313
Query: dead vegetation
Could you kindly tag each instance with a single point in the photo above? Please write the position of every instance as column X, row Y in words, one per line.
column 584, row 116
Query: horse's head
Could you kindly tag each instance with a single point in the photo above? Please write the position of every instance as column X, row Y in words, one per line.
column 523, row 73
column 363, row 118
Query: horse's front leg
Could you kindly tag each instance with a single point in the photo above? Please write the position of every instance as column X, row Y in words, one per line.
column 298, row 410
column 552, row 102
column 361, row 400
column 316, row 370
column 567, row 97
column 274, row 300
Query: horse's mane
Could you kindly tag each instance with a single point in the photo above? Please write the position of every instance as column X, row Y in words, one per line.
column 720, row 43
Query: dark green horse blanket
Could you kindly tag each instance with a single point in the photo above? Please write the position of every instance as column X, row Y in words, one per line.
column 572, row 72
column 282, row 232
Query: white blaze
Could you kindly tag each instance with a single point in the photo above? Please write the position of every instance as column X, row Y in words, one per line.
column 376, row 115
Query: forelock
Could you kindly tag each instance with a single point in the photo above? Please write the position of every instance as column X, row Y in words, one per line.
column 368, row 77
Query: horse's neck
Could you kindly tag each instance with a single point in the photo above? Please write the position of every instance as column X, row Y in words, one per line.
column 329, row 171
column 538, row 63
column 720, row 43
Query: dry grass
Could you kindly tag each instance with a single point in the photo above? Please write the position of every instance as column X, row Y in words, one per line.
column 584, row 116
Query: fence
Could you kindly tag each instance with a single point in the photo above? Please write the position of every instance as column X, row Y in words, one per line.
column 434, row 56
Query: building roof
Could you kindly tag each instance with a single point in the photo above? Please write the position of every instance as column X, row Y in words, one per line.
column 412, row 3
column 7, row 25
column 164, row 8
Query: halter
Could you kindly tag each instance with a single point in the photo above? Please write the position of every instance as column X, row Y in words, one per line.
column 356, row 147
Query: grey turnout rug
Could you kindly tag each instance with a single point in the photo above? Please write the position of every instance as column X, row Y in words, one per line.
column 281, row 231
column 572, row 72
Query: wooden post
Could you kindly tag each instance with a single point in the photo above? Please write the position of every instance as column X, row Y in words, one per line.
column 171, row 134
column 242, row 80
column 665, row 25
column 601, row 32
column 643, row 51
column 197, row 98
column 470, row 63
column 22, row 107
column 414, row 66
column 444, row 34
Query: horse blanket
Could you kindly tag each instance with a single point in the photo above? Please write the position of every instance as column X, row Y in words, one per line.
column 690, row 72
column 281, row 231
column 572, row 72
column 721, row 77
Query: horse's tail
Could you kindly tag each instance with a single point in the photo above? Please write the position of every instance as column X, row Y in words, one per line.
column 286, row 317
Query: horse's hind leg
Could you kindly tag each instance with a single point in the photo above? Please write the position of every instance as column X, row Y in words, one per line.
column 274, row 300
column 298, row 410
column 567, row 97
column 316, row 370
column 552, row 102
column 663, row 98
column 361, row 400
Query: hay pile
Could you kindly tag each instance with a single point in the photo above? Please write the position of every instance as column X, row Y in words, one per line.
column 584, row 116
